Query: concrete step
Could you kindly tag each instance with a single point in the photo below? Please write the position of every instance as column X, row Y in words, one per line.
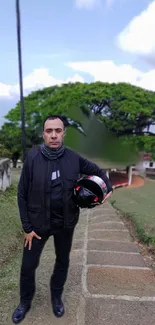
column 112, row 246
column 100, row 218
column 110, row 258
column 107, row 225
column 110, row 235
column 121, row 281
column 113, row 312
column 102, row 212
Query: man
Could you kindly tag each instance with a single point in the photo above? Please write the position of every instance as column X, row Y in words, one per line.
column 46, row 206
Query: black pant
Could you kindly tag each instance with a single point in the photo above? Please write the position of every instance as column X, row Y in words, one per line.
column 30, row 261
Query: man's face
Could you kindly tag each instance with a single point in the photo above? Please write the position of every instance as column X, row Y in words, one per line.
column 53, row 133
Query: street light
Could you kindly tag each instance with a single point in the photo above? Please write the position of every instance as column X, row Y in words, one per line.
column 18, row 24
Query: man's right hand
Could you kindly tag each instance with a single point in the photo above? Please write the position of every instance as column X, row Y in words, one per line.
column 29, row 238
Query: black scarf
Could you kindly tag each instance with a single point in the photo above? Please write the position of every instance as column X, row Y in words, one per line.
column 52, row 153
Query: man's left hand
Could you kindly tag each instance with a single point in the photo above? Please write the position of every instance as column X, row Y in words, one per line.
column 107, row 197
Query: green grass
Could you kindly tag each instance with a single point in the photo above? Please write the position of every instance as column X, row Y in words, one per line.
column 10, row 229
column 9, row 286
column 11, row 238
column 138, row 204
column 11, row 234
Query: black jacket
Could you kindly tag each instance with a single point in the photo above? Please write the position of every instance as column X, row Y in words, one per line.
column 34, row 188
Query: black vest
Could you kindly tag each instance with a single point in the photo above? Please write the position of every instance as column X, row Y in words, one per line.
column 39, row 193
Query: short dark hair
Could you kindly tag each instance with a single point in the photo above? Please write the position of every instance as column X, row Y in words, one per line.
column 54, row 117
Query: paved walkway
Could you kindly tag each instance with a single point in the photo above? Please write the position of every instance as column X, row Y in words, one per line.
column 108, row 282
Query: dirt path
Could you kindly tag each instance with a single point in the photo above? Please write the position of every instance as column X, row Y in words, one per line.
column 137, row 181
column 108, row 283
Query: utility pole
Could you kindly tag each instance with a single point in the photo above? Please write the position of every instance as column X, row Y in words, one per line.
column 18, row 24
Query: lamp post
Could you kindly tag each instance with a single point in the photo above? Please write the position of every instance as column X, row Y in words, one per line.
column 20, row 78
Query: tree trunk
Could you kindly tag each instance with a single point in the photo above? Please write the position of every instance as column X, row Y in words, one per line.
column 15, row 163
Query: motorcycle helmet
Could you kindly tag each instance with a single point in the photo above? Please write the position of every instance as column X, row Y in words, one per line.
column 90, row 191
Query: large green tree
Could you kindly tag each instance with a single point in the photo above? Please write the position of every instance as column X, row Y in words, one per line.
column 124, row 109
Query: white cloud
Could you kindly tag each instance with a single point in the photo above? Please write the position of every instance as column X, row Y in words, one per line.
column 87, row 4
column 4, row 90
column 139, row 37
column 104, row 71
column 91, row 4
column 108, row 71
column 38, row 79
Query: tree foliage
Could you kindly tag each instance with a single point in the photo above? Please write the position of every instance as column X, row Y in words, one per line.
column 126, row 110
column 4, row 152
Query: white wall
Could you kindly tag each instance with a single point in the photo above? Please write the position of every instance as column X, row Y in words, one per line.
column 19, row 164
column 146, row 164
column 5, row 174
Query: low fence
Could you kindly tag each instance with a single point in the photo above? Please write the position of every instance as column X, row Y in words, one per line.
column 5, row 174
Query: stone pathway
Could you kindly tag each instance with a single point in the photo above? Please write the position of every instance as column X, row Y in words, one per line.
column 108, row 281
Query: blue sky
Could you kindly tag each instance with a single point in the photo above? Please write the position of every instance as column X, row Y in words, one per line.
column 84, row 40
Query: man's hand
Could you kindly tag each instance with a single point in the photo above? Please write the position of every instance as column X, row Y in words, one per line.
column 107, row 197
column 29, row 238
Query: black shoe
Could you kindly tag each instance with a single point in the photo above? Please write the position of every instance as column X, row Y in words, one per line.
column 20, row 312
column 58, row 306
